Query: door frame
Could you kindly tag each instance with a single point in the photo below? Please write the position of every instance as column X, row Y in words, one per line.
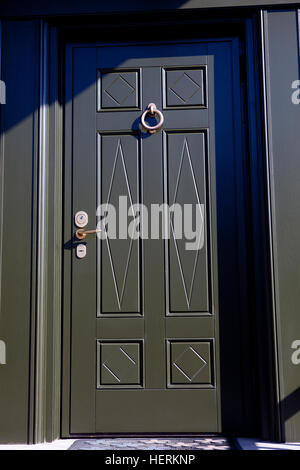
column 46, row 397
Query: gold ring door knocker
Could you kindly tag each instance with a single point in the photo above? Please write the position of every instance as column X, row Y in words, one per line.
column 152, row 111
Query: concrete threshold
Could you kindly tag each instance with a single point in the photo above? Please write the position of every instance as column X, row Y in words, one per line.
column 60, row 444
column 256, row 444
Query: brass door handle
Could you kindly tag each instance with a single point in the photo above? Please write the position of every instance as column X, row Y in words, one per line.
column 81, row 234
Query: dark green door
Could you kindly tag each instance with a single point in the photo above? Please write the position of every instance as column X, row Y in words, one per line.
column 144, row 341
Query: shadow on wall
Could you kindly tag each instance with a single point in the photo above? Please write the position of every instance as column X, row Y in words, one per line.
column 58, row 7
column 291, row 404
column 23, row 96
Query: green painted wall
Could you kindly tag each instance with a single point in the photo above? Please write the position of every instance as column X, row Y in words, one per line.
column 281, row 41
column 20, row 55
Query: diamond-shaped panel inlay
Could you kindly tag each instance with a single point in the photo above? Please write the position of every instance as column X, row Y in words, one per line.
column 119, row 364
column 119, row 90
column 190, row 362
column 185, row 88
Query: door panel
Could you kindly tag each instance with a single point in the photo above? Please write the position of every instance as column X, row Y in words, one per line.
column 188, row 277
column 119, row 270
column 144, row 312
column 159, row 410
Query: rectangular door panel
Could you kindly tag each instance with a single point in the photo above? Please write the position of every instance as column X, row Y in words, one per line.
column 119, row 270
column 187, row 259
column 161, row 411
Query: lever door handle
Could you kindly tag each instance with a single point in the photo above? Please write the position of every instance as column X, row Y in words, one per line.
column 81, row 234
